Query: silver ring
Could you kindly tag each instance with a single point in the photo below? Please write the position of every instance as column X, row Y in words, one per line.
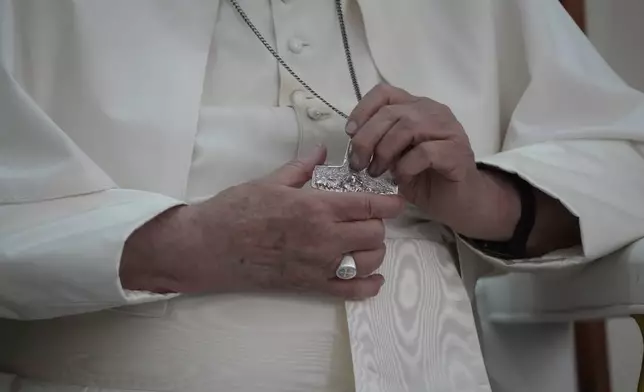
column 347, row 268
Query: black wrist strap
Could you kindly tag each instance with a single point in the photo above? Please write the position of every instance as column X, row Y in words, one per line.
column 515, row 247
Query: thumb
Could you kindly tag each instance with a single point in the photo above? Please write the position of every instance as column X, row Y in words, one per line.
column 298, row 171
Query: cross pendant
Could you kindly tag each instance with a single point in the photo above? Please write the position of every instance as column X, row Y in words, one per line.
column 343, row 179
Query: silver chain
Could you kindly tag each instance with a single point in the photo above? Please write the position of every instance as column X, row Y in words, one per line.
column 347, row 52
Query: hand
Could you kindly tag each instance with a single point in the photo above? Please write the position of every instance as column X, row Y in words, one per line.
column 428, row 152
column 270, row 235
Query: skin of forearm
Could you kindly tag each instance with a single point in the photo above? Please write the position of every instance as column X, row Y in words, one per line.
column 499, row 209
column 149, row 251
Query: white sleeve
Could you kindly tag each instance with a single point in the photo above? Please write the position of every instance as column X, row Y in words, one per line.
column 63, row 222
column 61, row 257
column 576, row 130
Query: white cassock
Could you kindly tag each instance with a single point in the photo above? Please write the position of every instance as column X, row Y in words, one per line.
column 112, row 111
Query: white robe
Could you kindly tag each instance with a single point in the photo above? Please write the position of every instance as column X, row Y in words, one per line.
column 102, row 108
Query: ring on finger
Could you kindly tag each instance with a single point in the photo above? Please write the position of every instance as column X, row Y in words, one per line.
column 347, row 268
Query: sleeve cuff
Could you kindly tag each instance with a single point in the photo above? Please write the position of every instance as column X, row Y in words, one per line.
column 61, row 257
column 554, row 261
column 599, row 181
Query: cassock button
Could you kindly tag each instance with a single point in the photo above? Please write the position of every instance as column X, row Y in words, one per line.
column 298, row 96
column 317, row 114
column 296, row 45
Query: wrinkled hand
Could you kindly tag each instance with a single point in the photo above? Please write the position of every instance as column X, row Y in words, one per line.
column 271, row 235
column 423, row 145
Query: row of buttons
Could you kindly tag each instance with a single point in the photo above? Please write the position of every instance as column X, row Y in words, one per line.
column 296, row 46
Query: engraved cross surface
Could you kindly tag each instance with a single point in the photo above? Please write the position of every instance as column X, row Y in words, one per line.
column 346, row 273
column 343, row 179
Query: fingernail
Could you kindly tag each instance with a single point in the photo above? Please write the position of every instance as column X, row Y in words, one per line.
column 351, row 128
column 374, row 170
column 355, row 161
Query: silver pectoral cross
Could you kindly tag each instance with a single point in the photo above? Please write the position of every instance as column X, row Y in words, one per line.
column 343, row 179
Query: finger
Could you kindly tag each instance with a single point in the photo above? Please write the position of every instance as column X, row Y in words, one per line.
column 367, row 137
column 360, row 235
column 416, row 124
column 368, row 261
column 379, row 96
column 392, row 146
column 432, row 155
column 298, row 171
column 356, row 289
column 394, row 143
column 363, row 206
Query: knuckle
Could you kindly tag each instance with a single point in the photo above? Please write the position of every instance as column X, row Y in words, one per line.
column 377, row 232
column 312, row 214
column 383, row 88
column 411, row 120
column 389, row 111
column 414, row 118
column 427, row 104
column 384, row 152
column 296, row 164
column 445, row 110
column 433, row 107
column 367, row 205
column 314, row 205
column 388, row 89
column 427, row 149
